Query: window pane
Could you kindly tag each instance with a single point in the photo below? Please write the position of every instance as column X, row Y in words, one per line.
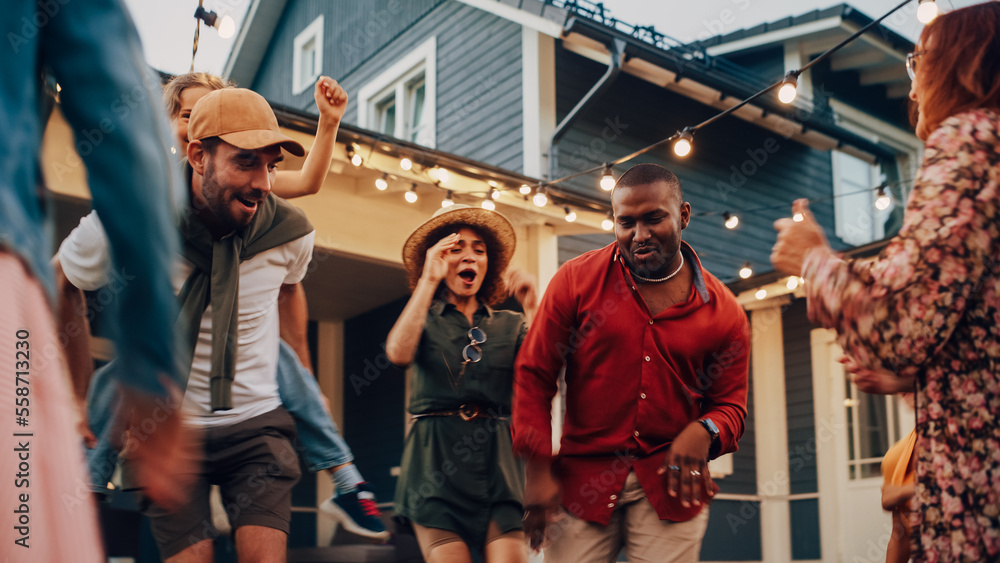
column 387, row 118
column 873, row 425
column 308, row 60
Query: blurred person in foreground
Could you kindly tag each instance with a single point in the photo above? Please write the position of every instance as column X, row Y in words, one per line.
column 111, row 103
column 924, row 314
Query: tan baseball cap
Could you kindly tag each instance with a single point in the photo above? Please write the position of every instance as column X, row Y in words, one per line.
column 240, row 117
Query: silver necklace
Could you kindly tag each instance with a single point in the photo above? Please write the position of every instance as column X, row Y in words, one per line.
column 659, row 280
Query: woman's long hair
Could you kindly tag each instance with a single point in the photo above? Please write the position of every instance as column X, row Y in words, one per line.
column 959, row 66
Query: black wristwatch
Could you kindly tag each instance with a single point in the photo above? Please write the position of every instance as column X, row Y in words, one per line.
column 713, row 431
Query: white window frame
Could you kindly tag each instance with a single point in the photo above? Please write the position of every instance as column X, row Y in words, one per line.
column 857, row 222
column 420, row 61
column 312, row 32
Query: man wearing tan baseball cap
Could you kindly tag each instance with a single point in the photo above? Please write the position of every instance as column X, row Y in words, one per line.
column 242, row 247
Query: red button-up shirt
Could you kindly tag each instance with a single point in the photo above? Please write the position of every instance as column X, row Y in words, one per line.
column 634, row 381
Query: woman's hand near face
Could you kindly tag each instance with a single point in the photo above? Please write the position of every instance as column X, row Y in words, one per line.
column 436, row 261
column 523, row 287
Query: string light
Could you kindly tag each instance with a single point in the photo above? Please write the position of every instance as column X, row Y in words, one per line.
column 746, row 271
column 792, row 282
column 540, row 198
column 488, row 204
column 448, row 201
column 761, row 293
column 607, row 179
column 570, row 215
column 405, row 163
column 381, row 183
column 525, row 189
column 927, row 11
column 607, row 224
column 225, row 25
column 439, row 174
column 356, row 159
column 882, row 202
column 682, row 146
column 411, row 195
column 731, row 220
column 495, row 194
column 789, row 88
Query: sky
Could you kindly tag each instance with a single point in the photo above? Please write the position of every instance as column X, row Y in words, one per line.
column 167, row 28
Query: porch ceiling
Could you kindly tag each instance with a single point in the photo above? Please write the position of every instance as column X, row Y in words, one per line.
column 339, row 287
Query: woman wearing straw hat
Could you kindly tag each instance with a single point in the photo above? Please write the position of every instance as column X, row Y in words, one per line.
column 460, row 483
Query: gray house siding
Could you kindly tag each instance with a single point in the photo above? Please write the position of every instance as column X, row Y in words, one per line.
column 479, row 70
column 352, row 33
column 802, row 443
column 734, row 166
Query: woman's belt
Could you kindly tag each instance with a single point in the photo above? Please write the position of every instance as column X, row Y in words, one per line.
column 467, row 412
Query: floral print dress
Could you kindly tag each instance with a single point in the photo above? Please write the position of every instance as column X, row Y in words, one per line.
column 929, row 306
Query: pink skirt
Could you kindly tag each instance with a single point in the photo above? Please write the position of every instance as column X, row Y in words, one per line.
column 48, row 513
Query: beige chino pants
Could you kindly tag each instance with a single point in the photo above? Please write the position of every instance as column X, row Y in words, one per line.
column 636, row 527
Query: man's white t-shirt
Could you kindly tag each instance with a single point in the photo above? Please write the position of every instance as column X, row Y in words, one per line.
column 86, row 261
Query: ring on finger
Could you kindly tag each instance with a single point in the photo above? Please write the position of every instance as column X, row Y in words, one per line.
column 674, row 467
column 695, row 473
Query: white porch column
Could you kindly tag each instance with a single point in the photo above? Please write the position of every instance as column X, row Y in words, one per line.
column 330, row 374
column 538, row 92
column 542, row 246
column 771, row 426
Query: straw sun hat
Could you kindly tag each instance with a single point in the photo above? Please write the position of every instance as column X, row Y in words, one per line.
column 494, row 227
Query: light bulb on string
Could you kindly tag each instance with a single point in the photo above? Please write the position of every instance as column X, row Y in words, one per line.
column 883, row 201
column 411, row 195
column 225, row 25
column 607, row 224
column 746, row 271
column 448, row 201
column 495, row 194
column 792, row 282
column 607, row 179
column 525, row 189
column 570, row 215
column 927, row 11
column 356, row 159
column 381, row 183
column 761, row 293
column 731, row 220
column 682, row 146
column 540, row 198
column 488, row 204
column 405, row 163
column 789, row 88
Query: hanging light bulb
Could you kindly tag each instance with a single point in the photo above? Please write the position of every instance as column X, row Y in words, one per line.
column 405, row 163
column 682, row 146
column 883, row 201
column 761, row 293
column 225, row 25
column 731, row 220
column 798, row 217
column 927, row 11
column 792, row 282
column 488, row 204
column 607, row 224
column 540, row 198
column 411, row 195
column 607, row 179
column 495, row 194
column 381, row 183
column 356, row 159
column 525, row 189
column 493, row 183
column 448, row 201
column 570, row 215
column 789, row 88
column 746, row 271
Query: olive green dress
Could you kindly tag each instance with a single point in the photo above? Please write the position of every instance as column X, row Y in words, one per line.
column 456, row 474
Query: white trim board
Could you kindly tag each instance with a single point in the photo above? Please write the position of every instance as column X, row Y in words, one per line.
column 516, row 15
column 424, row 54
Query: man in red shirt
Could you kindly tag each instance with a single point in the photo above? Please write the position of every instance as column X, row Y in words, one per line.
column 656, row 352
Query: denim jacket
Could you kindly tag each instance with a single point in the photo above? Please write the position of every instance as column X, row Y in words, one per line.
column 111, row 99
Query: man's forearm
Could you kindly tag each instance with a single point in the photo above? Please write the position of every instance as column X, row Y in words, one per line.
column 293, row 321
column 74, row 330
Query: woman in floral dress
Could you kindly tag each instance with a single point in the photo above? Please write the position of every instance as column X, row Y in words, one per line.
column 927, row 310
